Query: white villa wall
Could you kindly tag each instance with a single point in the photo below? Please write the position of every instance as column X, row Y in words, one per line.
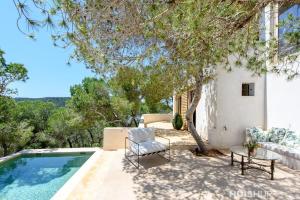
column 283, row 97
column 283, row 103
column 223, row 113
column 222, row 105
column 276, row 104
column 236, row 112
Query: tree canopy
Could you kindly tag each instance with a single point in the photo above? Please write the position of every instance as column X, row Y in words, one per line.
column 185, row 42
column 95, row 101
column 13, row 134
column 9, row 73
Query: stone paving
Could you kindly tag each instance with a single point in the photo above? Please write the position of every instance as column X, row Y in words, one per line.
column 186, row 177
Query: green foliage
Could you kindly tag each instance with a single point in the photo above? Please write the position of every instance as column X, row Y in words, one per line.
column 252, row 145
column 9, row 73
column 127, row 83
column 175, row 45
column 36, row 113
column 94, row 105
column 13, row 134
column 63, row 124
column 181, row 40
column 143, row 89
column 98, row 106
column 95, row 101
column 292, row 24
column 177, row 121
column 58, row 101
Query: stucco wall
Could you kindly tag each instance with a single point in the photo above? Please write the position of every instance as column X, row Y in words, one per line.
column 276, row 104
column 283, row 100
column 223, row 113
column 156, row 117
column 114, row 138
column 236, row 112
column 283, row 97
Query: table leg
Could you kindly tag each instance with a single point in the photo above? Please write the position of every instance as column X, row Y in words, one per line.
column 242, row 164
column 231, row 158
column 272, row 169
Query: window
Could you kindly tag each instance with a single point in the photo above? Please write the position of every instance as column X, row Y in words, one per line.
column 288, row 29
column 262, row 26
column 248, row 89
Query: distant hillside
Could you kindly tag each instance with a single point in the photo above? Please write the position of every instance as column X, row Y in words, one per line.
column 59, row 101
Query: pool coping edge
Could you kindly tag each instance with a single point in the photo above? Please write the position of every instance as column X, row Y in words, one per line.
column 69, row 186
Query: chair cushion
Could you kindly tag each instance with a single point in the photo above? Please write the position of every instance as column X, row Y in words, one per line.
column 269, row 145
column 291, row 139
column 256, row 134
column 141, row 134
column 276, row 135
column 148, row 147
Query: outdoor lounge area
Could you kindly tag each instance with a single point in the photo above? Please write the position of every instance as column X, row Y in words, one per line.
column 283, row 142
column 185, row 177
column 150, row 100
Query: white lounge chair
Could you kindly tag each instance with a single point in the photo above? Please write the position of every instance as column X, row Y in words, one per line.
column 142, row 143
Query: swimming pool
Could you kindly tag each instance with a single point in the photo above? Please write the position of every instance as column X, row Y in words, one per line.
column 38, row 176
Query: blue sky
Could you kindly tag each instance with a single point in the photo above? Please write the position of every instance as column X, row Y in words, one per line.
column 49, row 76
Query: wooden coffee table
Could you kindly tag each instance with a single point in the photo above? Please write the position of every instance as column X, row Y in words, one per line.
column 249, row 161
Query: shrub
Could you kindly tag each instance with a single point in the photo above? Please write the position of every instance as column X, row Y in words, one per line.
column 177, row 121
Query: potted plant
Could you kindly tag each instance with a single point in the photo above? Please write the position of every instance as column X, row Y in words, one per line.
column 252, row 146
column 177, row 121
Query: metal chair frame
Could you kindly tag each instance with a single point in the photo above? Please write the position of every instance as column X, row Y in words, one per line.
column 138, row 155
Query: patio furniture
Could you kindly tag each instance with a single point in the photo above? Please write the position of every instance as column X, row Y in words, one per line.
column 280, row 140
column 249, row 161
column 141, row 142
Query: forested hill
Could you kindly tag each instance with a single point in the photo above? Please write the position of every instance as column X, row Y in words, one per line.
column 59, row 101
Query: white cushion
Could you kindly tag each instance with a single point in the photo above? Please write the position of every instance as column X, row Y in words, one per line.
column 148, row 147
column 141, row 134
column 282, row 150
column 294, row 153
column 272, row 146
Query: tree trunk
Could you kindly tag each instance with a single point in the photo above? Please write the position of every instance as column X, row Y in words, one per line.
column 134, row 119
column 5, row 149
column 82, row 141
column 190, row 112
column 70, row 143
column 91, row 135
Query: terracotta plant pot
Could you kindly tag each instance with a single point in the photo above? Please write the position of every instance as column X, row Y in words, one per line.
column 252, row 151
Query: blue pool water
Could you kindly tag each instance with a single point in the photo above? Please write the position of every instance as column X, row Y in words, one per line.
column 37, row 176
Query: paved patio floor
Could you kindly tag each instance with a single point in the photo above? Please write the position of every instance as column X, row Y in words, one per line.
column 185, row 177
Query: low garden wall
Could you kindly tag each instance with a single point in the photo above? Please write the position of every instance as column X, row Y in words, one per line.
column 114, row 138
column 151, row 118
